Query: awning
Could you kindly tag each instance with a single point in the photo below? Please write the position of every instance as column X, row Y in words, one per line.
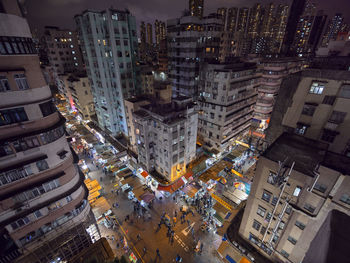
column 144, row 174
column 190, row 190
column 171, row 188
column 147, row 197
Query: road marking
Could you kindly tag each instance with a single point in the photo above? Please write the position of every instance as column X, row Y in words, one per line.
column 187, row 229
column 182, row 244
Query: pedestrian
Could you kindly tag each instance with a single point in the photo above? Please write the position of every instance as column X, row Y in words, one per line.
column 174, row 220
column 175, row 213
column 138, row 237
column 144, row 250
column 201, row 249
column 158, row 254
column 188, row 222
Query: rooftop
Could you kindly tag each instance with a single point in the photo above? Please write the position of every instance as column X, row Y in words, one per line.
column 307, row 154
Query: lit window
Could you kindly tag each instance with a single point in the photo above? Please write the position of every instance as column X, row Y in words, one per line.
column 69, row 33
column 297, row 191
column 73, row 52
column 316, row 88
column 71, row 46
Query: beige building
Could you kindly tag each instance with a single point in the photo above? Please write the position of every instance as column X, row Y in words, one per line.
column 299, row 206
column 44, row 211
column 299, row 187
column 314, row 103
column 82, row 97
column 62, row 49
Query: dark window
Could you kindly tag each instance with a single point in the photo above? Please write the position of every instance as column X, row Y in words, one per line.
column 266, row 196
column 284, row 253
column 21, row 81
column 320, row 187
column 274, row 200
column 309, row 208
column 261, row 211
column 345, row 198
column 47, row 108
column 4, row 84
column 263, row 230
column 301, row 128
column 345, row 91
column 337, row 117
column 292, row 240
column 300, row 225
column 268, row 216
column 308, row 109
column 12, row 116
column 126, row 43
column 256, row 225
column 328, row 135
column 329, row 100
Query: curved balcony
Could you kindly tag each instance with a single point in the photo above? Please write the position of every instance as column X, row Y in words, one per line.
column 14, row 26
column 264, row 102
column 267, row 89
column 22, row 97
column 19, row 128
column 263, row 110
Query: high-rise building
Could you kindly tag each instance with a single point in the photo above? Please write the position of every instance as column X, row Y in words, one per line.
column 333, row 28
column 203, row 38
column 242, row 20
column 166, row 136
column 231, row 19
column 109, row 42
column 317, row 30
column 279, row 28
column 63, row 50
column 44, row 208
column 196, row 8
column 268, row 21
column 163, row 56
column 143, row 45
column 147, row 79
column 160, row 31
column 255, row 20
column 228, row 93
column 222, row 12
column 295, row 12
column 149, row 34
column 81, row 94
column 302, row 182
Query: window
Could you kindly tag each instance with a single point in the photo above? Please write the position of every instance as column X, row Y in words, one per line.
column 288, row 210
column 345, row 198
column 69, row 198
column 292, row 240
column 125, row 42
column 301, row 128
column 263, row 230
column 316, row 88
column 21, row 81
column 284, row 253
column 320, row 187
column 42, row 165
column 329, row 100
column 47, row 108
column 345, row 91
column 274, row 200
column 309, row 208
column 281, row 225
column 297, row 191
column 4, row 84
column 308, row 109
column 38, row 214
column 256, row 225
column 20, row 222
column 328, row 135
column 337, row 117
column 272, row 179
column 261, row 211
column 12, row 116
column 268, row 216
column 266, row 196
column 300, row 225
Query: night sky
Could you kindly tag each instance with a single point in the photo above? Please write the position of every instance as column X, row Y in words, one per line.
column 60, row 12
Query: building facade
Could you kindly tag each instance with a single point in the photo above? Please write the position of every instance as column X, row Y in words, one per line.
column 228, row 95
column 81, row 93
column 166, row 136
column 62, row 49
column 149, row 34
column 333, row 28
column 160, row 31
column 196, row 8
column 109, row 42
column 299, row 188
column 44, row 210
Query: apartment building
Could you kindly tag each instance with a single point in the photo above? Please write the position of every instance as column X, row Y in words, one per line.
column 161, row 94
column 191, row 40
column 44, row 212
column 81, row 94
column 62, row 49
column 166, row 136
column 147, row 79
column 109, row 42
column 314, row 103
column 228, row 93
column 298, row 209
column 272, row 73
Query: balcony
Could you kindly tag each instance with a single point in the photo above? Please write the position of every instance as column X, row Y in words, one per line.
column 264, row 102
column 14, row 26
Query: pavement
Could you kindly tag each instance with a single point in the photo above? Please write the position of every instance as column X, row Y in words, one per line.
column 151, row 239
